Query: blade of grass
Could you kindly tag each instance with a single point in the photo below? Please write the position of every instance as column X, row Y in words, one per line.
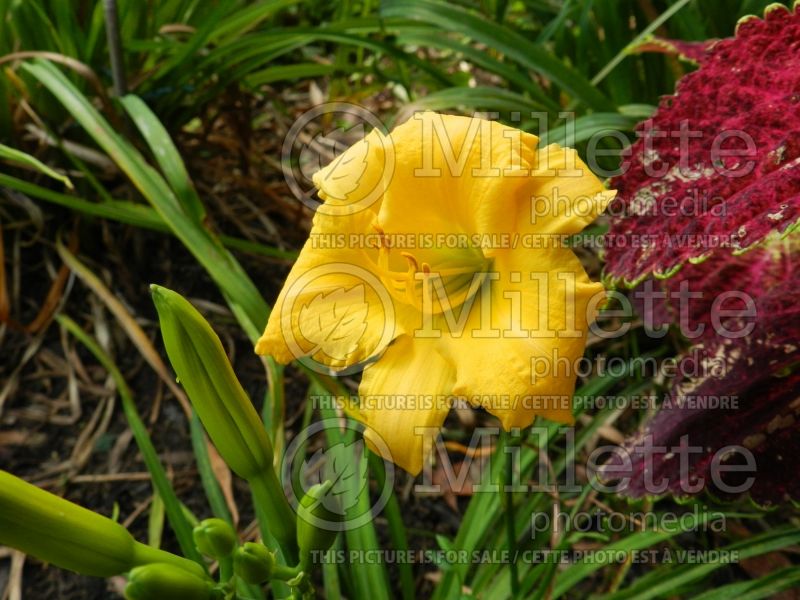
column 555, row 24
column 660, row 582
column 247, row 18
column 502, row 39
column 130, row 213
column 289, row 72
column 476, row 98
column 585, row 127
column 251, row 247
column 182, row 52
column 662, row 18
column 155, row 521
column 330, row 578
column 166, row 155
column 397, row 529
column 32, row 162
column 763, row 587
column 434, row 39
column 370, row 579
column 508, row 512
column 175, row 514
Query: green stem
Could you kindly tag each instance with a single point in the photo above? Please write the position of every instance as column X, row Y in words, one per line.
column 225, row 569
column 145, row 555
column 268, row 495
column 285, row 573
column 508, row 496
column 115, row 47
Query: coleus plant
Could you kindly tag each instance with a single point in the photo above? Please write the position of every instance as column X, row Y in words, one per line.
column 707, row 208
column 721, row 157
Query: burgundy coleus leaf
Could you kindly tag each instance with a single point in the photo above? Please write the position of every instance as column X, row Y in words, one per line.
column 695, row 52
column 742, row 396
column 699, row 297
column 718, row 165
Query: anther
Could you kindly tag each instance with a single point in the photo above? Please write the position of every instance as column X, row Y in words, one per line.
column 412, row 261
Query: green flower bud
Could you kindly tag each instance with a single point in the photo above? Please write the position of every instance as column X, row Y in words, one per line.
column 159, row 581
column 253, row 563
column 69, row 536
column 225, row 410
column 206, row 374
column 317, row 520
column 215, row 538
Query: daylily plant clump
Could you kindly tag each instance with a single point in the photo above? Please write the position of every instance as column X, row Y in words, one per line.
column 438, row 263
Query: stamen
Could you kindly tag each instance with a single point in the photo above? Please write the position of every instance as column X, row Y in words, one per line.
column 381, row 236
column 412, row 261
column 406, row 287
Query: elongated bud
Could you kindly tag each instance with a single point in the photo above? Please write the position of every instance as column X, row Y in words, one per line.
column 215, row 538
column 159, row 581
column 225, row 410
column 253, row 563
column 69, row 536
column 206, row 374
column 317, row 519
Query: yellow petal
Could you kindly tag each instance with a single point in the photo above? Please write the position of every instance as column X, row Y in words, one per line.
column 455, row 175
column 564, row 195
column 522, row 361
column 405, row 397
column 332, row 306
column 337, row 313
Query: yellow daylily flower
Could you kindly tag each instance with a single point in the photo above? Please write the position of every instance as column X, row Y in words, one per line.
column 437, row 263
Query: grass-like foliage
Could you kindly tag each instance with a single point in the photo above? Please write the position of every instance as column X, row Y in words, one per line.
column 71, row 151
